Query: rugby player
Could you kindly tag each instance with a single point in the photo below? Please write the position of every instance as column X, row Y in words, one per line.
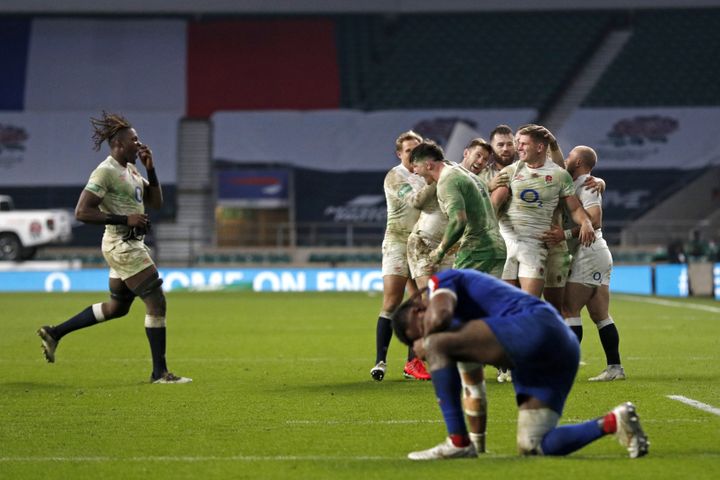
column 589, row 280
column 474, row 317
column 401, row 186
column 536, row 187
column 116, row 195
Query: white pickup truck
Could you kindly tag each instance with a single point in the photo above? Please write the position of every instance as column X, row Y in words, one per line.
column 23, row 231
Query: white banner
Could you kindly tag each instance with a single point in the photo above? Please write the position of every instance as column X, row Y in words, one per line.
column 54, row 149
column 651, row 138
column 340, row 140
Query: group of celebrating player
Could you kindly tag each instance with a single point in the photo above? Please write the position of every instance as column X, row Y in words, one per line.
column 485, row 239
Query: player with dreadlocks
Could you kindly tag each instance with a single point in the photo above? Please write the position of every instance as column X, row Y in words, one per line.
column 116, row 196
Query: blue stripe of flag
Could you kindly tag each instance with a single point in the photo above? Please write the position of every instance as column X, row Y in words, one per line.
column 14, row 40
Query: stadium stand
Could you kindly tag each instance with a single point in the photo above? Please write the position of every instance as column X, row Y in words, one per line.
column 462, row 61
column 665, row 63
column 371, row 62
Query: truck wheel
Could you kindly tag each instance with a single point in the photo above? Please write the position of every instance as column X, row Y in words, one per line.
column 10, row 247
column 28, row 253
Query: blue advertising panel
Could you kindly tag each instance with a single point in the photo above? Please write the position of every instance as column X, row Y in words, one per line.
column 632, row 279
column 259, row 280
column 671, row 280
column 716, row 280
column 635, row 279
column 340, row 197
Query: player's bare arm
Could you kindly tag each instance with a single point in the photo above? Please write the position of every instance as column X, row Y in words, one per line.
column 439, row 312
column 153, row 197
column 556, row 154
column 595, row 214
column 499, row 196
column 88, row 211
column 437, row 318
column 586, row 235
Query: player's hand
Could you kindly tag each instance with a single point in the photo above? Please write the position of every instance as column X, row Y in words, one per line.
column 587, row 234
column 552, row 141
column 145, row 156
column 436, row 256
column 502, row 179
column 593, row 184
column 553, row 236
column 452, row 250
column 419, row 348
column 138, row 220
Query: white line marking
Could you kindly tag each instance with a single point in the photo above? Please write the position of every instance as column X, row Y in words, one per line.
column 568, row 420
column 671, row 303
column 676, row 357
column 359, row 422
column 187, row 459
column 278, row 458
column 191, row 360
column 694, row 403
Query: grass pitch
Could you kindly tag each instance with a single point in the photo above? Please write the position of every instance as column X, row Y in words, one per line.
column 282, row 390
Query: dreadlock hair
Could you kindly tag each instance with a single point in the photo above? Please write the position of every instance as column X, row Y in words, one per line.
column 107, row 127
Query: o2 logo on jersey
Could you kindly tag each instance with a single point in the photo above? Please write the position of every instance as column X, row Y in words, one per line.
column 596, row 276
column 530, row 195
column 138, row 194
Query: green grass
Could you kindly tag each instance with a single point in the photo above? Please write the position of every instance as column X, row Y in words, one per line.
column 281, row 390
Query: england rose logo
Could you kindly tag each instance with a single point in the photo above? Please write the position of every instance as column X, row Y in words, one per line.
column 642, row 129
column 12, row 144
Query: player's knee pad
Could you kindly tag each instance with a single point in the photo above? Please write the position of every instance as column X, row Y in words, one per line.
column 155, row 321
column 532, row 427
column 119, row 304
column 124, row 296
column 149, row 286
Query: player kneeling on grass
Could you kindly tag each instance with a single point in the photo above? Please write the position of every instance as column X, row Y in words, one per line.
column 474, row 317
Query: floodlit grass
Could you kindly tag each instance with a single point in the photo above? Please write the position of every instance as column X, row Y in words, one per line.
column 282, row 390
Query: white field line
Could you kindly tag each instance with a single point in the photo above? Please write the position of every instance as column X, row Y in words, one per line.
column 193, row 360
column 253, row 360
column 565, row 421
column 694, row 403
column 671, row 303
column 271, row 458
column 360, row 422
column 191, row 459
column 676, row 357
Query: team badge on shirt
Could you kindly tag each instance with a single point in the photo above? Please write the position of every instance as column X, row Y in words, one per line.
column 548, row 178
